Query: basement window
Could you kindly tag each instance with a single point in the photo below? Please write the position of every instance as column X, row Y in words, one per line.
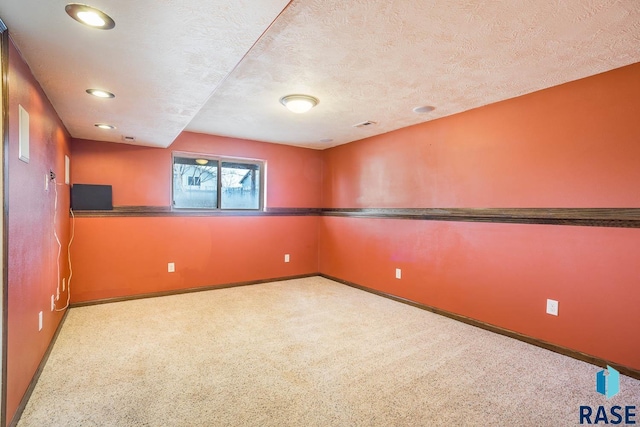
column 212, row 182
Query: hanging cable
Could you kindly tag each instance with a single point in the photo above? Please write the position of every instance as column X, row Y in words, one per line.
column 55, row 233
column 73, row 232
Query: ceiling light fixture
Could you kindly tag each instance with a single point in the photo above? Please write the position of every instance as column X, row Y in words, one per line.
column 104, row 126
column 202, row 161
column 90, row 16
column 424, row 109
column 100, row 93
column 299, row 103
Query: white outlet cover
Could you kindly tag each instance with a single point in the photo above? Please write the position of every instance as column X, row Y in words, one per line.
column 552, row 307
column 171, row 267
column 286, row 258
column 53, row 303
column 40, row 321
column 46, row 182
column 398, row 273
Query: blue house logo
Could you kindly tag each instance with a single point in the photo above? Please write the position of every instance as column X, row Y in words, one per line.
column 608, row 382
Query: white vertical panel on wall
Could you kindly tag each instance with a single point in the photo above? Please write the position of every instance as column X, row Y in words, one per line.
column 23, row 136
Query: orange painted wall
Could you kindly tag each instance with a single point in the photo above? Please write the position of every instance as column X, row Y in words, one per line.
column 575, row 145
column 115, row 257
column 32, row 248
column 141, row 176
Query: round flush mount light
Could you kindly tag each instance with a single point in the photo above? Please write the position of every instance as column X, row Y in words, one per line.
column 100, row 93
column 424, row 109
column 90, row 16
column 299, row 103
column 202, row 161
column 104, row 126
column 326, row 140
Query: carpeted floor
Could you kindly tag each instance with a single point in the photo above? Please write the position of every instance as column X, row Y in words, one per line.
column 307, row 352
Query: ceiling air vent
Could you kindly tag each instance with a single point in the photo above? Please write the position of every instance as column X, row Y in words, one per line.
column 364, row 124
column 128, row 138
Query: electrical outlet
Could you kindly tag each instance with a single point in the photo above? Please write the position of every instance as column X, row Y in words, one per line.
column 398, row 273
column 52, row 174
column 171, row 267
column 53, row 303
column 40, row 321
column 552, row 307
column 286, row 258
column 64, row 283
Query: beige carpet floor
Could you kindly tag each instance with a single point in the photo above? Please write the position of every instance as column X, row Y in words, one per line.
column 307, row 352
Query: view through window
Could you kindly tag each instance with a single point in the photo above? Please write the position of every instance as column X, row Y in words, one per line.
column 206, row 182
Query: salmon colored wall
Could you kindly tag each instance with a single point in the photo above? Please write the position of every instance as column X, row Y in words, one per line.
column 575, row 145
column 32, row 247
column 115, row 257
column 502, row 274
column 141, row 176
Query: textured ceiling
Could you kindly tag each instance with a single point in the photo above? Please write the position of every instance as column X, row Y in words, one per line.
column 210, row 66
column 162, row 60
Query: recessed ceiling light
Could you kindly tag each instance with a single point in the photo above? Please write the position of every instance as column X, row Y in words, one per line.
column 90, row 16
column 100, row 93
column 424, row 109
column 299, row 103
column 104, row 126
column 325, row 140
column 202, row 161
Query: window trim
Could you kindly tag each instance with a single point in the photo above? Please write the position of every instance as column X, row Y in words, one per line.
column 262, row 164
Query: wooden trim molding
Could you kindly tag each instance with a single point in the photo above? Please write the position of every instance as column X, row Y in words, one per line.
column 592, row 217
column 630, row 372
column 189, row 290
column 4, row 198
column 165, row 211
column 587, row 217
